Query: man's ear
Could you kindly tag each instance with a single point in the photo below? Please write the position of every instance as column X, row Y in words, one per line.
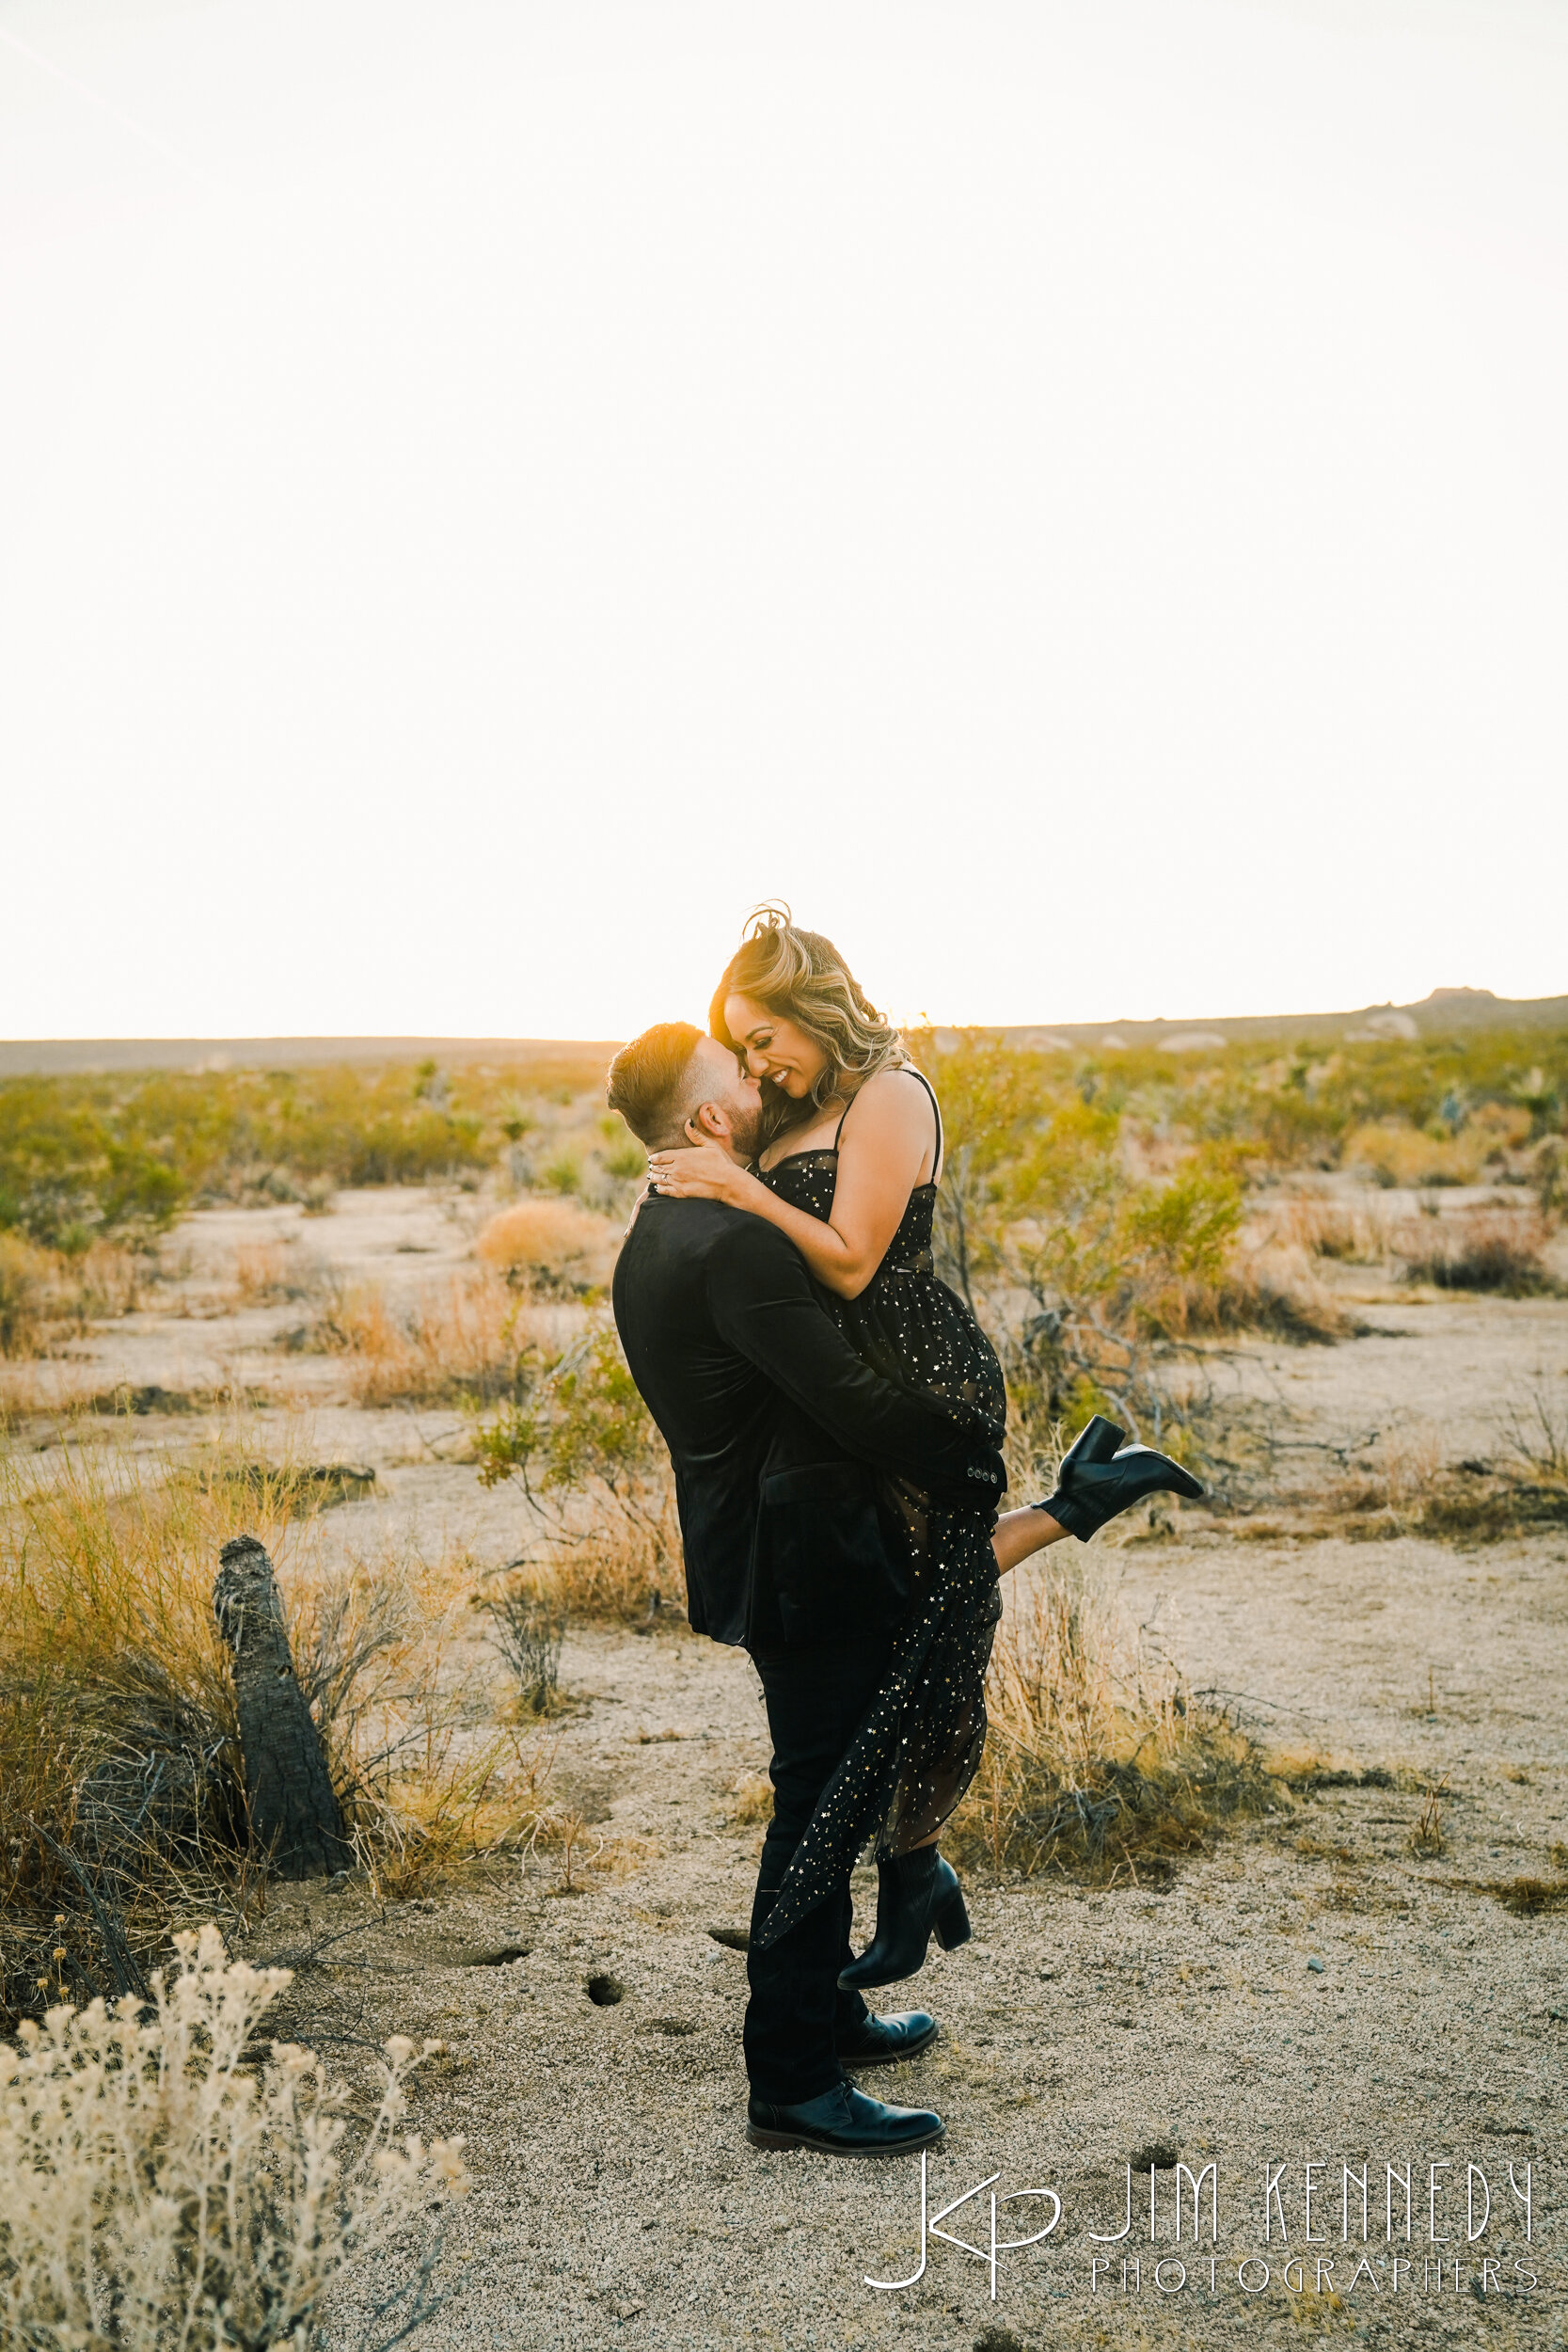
column 708, row 1124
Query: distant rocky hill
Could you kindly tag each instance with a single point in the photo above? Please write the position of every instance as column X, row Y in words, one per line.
column 1446, row 1013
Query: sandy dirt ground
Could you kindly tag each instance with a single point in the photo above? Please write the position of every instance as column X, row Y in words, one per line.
column 1311, row 1994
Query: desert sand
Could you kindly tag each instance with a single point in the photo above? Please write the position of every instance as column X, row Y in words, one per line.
column 1311, row 1990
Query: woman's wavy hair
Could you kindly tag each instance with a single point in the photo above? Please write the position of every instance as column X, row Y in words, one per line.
column 798, row 976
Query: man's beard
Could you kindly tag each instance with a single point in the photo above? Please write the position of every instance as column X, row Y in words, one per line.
column 746, row 1133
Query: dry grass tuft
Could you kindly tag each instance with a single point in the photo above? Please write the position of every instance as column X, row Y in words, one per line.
column 1535, row 1424
column 1429, row 1837
column 1403, row 1487
column 273, row 1273
column 120, row 1783
column 1528, row 1898
column 1271, row 1289
column 751, row 1801
column 527, row 1626
column 24, row 1273
column 1481, row 1250
column 1395, row 1480
column 611, row 1571
column 121, row 1799
column 46, row 1296
column 552, row 1245
column 1325, row 1229
column 1099, row 1761
column 39, row 1387
column 458, row 1339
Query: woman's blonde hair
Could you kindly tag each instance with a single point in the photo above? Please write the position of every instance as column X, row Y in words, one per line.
column 798, row 976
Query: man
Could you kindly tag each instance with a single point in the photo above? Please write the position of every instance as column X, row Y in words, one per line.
column 776, row 1430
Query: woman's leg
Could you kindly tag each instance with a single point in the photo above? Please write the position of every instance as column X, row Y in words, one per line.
column 1021, row 1534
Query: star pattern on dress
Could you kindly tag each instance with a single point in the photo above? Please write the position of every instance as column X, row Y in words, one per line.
column 919, row 1743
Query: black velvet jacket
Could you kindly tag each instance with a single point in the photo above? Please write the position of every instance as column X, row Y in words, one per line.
column 776, row 1429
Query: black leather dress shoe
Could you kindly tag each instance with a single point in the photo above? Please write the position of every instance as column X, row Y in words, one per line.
column 843, row 2121
column 877, row 2040
column 1096, row 1483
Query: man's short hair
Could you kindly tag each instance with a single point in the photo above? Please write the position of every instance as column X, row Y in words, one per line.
column 649, row 1082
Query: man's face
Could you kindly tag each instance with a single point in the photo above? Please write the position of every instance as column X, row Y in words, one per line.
column 734, row 1095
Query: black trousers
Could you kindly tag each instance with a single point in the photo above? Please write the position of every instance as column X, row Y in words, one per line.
column 815, row 1697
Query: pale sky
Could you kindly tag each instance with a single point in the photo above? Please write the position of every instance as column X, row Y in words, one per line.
column 1074, row 495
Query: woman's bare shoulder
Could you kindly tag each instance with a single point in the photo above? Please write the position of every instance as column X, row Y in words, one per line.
column 891, row 1106
column 903, row 1085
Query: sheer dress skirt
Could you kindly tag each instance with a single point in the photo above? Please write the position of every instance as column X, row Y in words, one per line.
column 918, row 1744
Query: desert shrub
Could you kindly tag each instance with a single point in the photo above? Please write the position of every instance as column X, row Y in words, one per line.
column 1269, row 1290
column 593, row 1472
column 117, row 1725
column 273, row 1273
column 528, row 1628
column 382, row 1648
column 86, row 1153
column 121, row 1799
column 563, row 1173
column 1437, row 1153
column 1481, row 1249
column 1535, row 1424
column 47, row 1293
column 1548, row 1178
column 452, row 1339
column 550, row 1246
column 1057, row 1190
column 24, row 1271
column 626, row 1160
column 159, row 2186
column 1326, row 1228
column 1098, row 1759
column 66, row 1168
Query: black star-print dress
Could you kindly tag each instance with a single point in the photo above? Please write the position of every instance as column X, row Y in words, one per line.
column 918, row 1745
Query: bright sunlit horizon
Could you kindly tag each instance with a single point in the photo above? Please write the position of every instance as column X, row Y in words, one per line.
column 1074, row 499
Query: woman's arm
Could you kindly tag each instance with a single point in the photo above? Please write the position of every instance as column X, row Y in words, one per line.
column 884, row 1147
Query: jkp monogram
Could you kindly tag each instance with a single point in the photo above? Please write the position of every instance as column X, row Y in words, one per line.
column 929, row 2229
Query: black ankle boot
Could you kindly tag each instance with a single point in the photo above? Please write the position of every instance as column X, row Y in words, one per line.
column 1097, row 1441
column 1096, row 1486
column 916, row 1893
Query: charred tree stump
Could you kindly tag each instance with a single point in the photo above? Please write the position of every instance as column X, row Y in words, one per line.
column 294, row 1813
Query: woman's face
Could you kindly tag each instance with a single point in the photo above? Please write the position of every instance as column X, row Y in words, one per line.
column 774, row 1048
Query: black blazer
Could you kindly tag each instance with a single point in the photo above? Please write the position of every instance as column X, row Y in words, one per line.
column 776, row 1429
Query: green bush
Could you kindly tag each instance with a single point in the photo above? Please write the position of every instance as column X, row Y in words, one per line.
column 86, row 1154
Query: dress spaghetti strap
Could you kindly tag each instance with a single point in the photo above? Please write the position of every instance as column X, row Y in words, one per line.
column 936, row 1113
column 936, row 1109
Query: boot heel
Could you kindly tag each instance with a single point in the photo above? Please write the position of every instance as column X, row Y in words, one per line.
column 952, row 1922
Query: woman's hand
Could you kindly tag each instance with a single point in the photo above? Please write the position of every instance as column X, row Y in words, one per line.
column 704, row 1173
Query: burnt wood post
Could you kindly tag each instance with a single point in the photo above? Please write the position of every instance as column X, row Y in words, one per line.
column 295, row 1812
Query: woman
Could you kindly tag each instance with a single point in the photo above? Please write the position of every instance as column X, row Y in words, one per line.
column 848, row 1169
